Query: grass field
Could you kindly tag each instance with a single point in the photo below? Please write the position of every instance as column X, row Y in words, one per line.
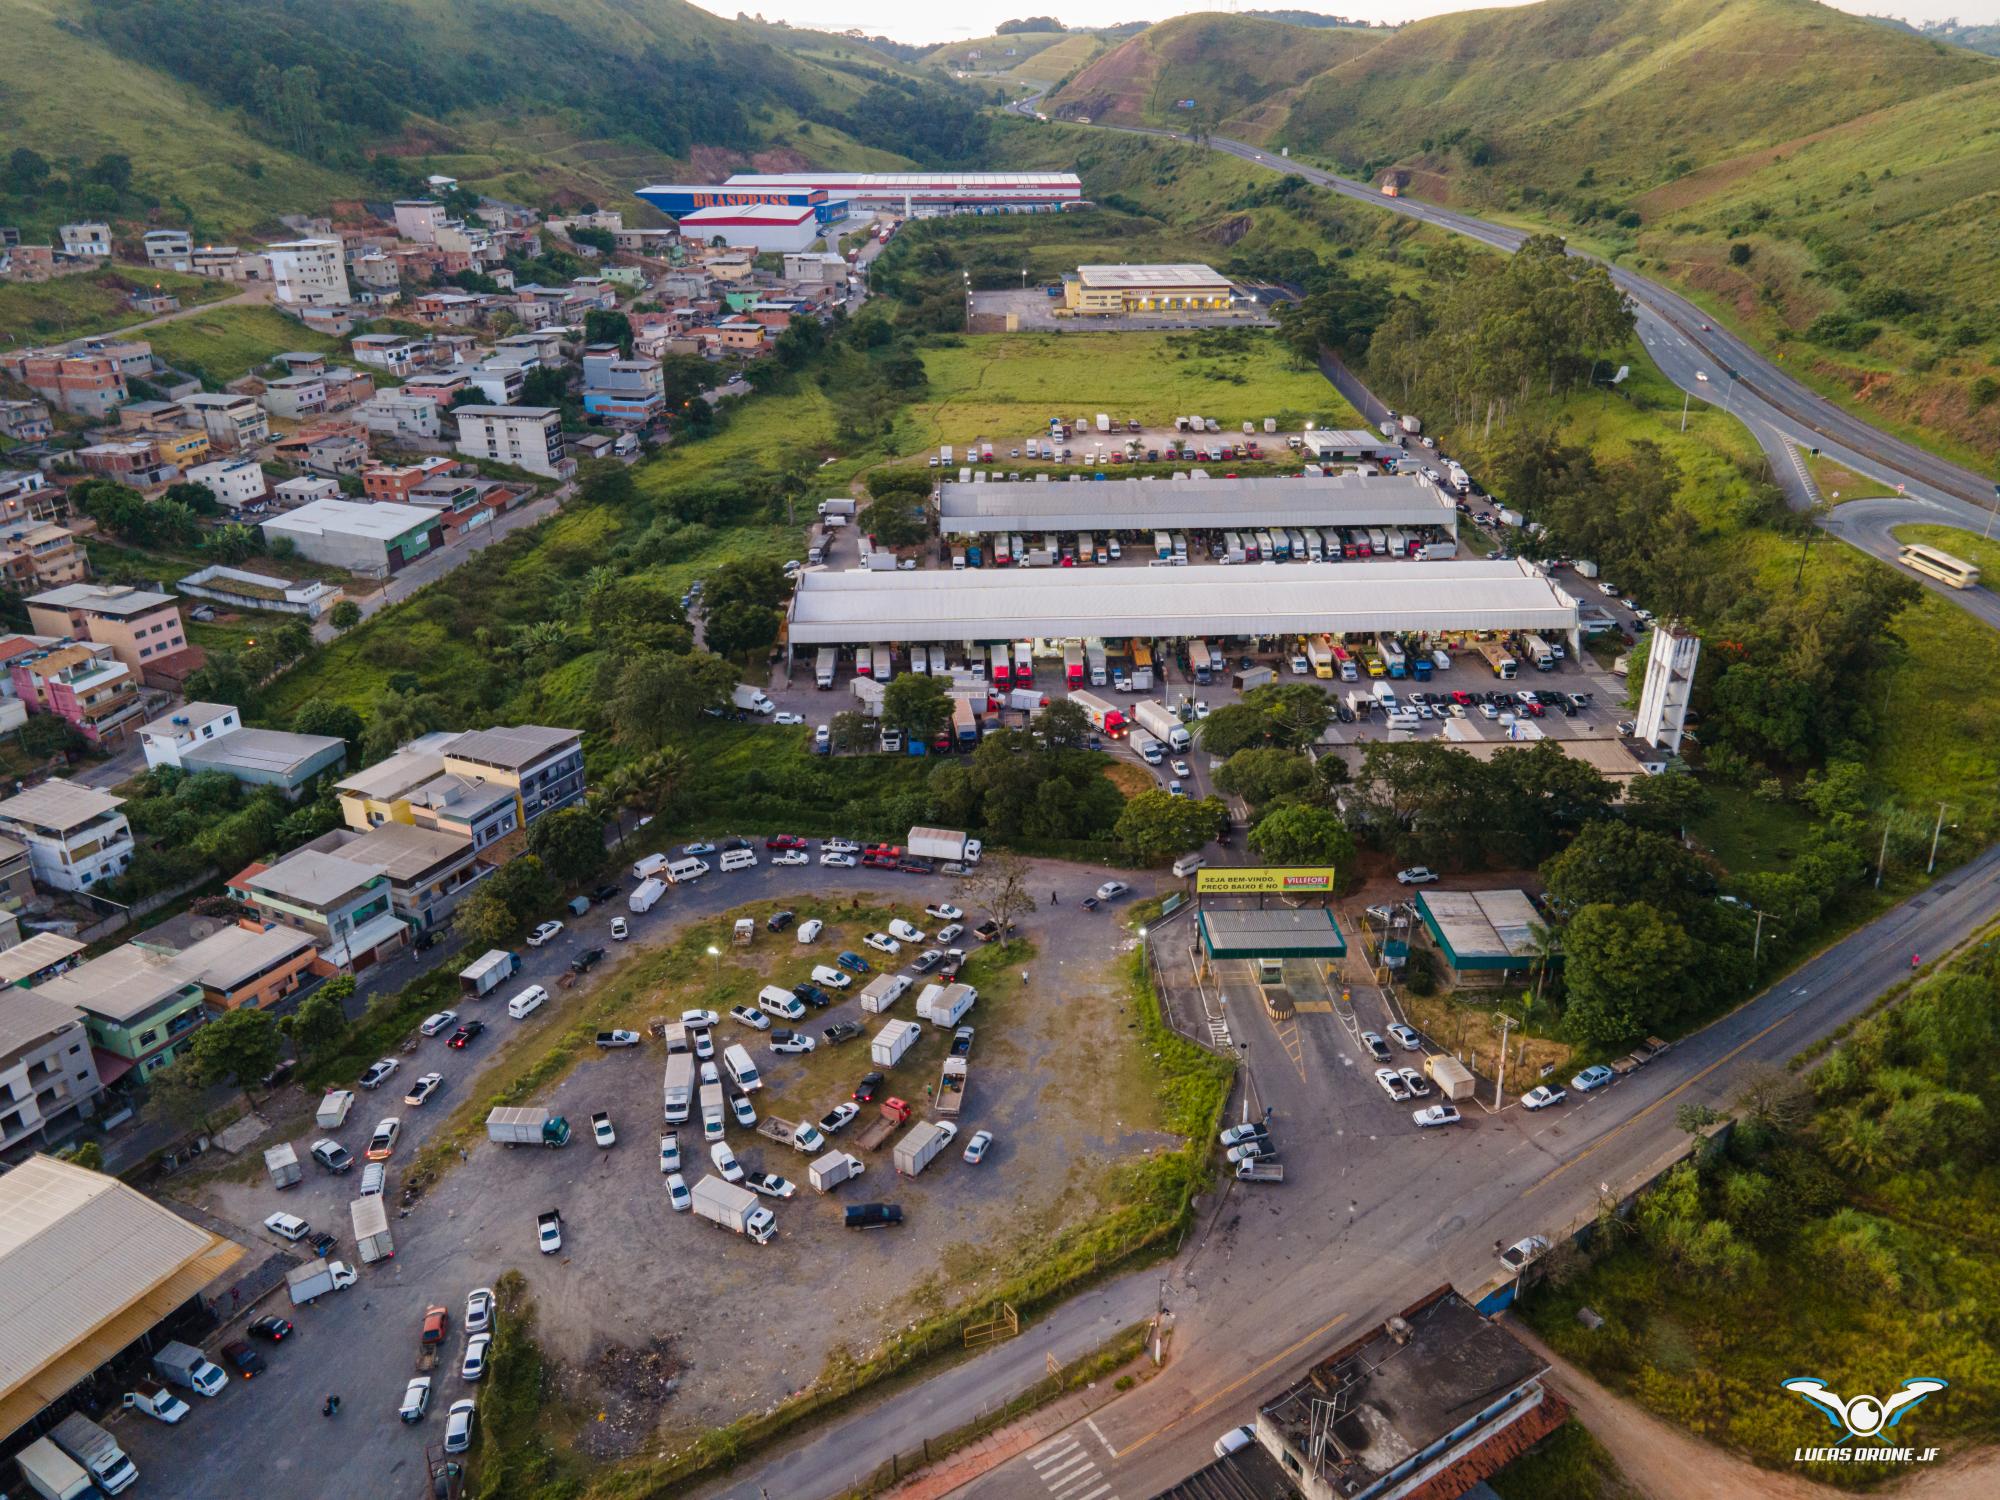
column 72, row 306
column 229, row 342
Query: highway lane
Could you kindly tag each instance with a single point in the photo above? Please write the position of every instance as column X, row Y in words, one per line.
column 1868, row 524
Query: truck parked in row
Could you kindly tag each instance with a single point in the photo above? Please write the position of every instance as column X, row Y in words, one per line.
column 187, row 1367
column 282, row 1163
column 951, row 1087
column 883, row 991
column 945, row 1005
column 1495, row 654
column 733, row 1208
column 488, row 972
column 97, row 1450
column 646, row 895
column 920, row 1147
column 371, row 1230
column 1161, row 722
column 313, row 1280
column 713, row 1118
column 156, row 1401
column 510, row 1126
column 893, row 1113
column 832, row 1169
column 679, row 1085
column 804, row 1136
column 1104, row 718
column 52, row 1474
column 333, row 1108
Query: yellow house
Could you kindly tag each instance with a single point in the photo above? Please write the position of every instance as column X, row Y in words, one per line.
column 182, row 448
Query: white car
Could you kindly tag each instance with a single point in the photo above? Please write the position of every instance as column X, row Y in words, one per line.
column 950, row 930
column 444, row 1020
column 798, row 1041
column 423, row 1088
column 810, row 929
column 1181, row 769
column 678, row 1197
column 975, row 1149
column 458, row 1427
column 1436, row 1114
column 474, row 1366
column 745, row 1115
column 1201, row 708
column 1392, row 1084
column 943, row 911
column 770, row 1184
column 725, row 1161
column 822, row 737
column 839, row 861
column 1521, row 1252
column 1236, row 1135
column 788, row 718
column 670, row 1153
column 700, row 1018
column 545, row 933
column 832, row 978
column 1111, row 890
column 288, row 1227
column 904, row 932
column 1406, row 1038
column 704, row 1042
column 601, row 1131
column 1234, row 1441
column 710, row 1073
column 1416, row 875
column 948, row 1130
column 1543, row 1097
column 378, row 1073
column 749, row 1017
column 416, row 1399
column 839, row 846
column 1377, row 1048
column 881, row 942
column 620, row 930
column 973, row 849
column 1488, row 711
column 479, row 1310
column 791, row 857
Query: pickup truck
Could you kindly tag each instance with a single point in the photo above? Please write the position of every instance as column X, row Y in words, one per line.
column 548, row 1231
column 1259, row 1171
column 800, row 1137
column 437, row 1326
column 1640, row 1055
column 894, row 1113
column 617, row 1038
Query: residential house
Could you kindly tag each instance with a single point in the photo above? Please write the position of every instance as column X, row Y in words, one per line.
column 623, row 390
column 41, row 555
column 541, row 346
column 246, row 964
column 377, row 276
column 48, row 1077
column 228, row 263
column 133, row 357
column 332, row 452
column 398, row 414
column 347, row 388
column 397, row 353
column 235, row 482
column 418, row 219
column 529, row 437
column 295, row 397
column 153, row 304
column 140, row 1007
column 39, row 957
column 364, row 538
column 138, row 625
column 83, row 684
column 500, row 383
column 132, row 461
column 442, row 387
column 27, row 495
column 26, row 421
column 234, row 423
column 817, row 267
column 301, row 362
column 458, row 309
column 241, row 590
column 393, row 482
column 182, row 447
column 343, row 904
column 629, row 277
column 484, row 783
column 76, row 836
column 303, row 489
column 657, row 243
column 150, row 416
column 464, row 504
column 169, row 249
column 91, row 239
column 429, row 869
column 309, row 273
column 212, row 737
column 741, row 336
column 543, row 766
column 84, row 385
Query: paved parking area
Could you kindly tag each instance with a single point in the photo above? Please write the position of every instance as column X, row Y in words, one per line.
column 749, row 1324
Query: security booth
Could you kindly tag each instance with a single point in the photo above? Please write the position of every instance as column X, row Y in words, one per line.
column 1267, row 939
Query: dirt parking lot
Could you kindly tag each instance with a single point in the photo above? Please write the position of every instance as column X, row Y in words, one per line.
column 665, row 1324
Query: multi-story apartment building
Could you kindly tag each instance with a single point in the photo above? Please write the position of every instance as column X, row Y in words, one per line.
column 48, row 1077
column 169, row 249
column 27, row 495
column 91, row 239
column 139, row 1005
column 296, row 397
column 395, row 414
column 484, row 783
column 343, row 904
column 397, row 353
column 235, row 482
column 139, row 626
column 76, row 836
column 234, row 423
column 393, row 482
column 85, row 385
column 83, row 684
column 26, row 421
column 41, row 555
column 309, row 273
column 529, row 437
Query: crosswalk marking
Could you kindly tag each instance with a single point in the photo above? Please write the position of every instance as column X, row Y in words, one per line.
column 1053, row 1450
column 1067, row 1471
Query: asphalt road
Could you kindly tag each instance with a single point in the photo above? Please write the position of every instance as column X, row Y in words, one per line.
column 1373, row 1214
column 1868, row 524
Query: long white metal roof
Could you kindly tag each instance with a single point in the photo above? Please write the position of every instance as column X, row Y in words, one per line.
column 1351, row 598
column 898, row 181
column 1203, row 504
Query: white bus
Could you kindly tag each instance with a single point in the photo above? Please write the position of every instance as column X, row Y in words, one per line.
column 1939, row 565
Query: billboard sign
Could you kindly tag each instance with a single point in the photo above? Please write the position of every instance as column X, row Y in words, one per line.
column 1289, row 880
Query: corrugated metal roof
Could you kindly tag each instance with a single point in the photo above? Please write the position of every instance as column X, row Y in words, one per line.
column 1481, row 929
column 58, row 804
column 1194, row 504
column 29, row 1016
column 1151, row 278
column 1355, row 598
column 121, row 985
column 82, row 1257
column 31, row 956
column 901, row 181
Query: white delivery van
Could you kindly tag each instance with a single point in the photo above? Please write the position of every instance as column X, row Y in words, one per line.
column 648, row 867
column 738, row 859
column 781, row 1003
column 681, row 871
column 1187, row 864
column 527, row 1002
column 736, row 1058
column 372, row 1178
column 647, row 896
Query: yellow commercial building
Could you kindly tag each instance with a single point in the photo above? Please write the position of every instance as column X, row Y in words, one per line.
column 1111, row 291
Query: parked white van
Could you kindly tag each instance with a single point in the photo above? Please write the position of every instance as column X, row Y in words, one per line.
column 782, row 1004
column 527, row 1002
column 737, row 1059
column 681, row 871
column 1187, row 864
column 648, row 867
column 372, row 1177
column 738, row 859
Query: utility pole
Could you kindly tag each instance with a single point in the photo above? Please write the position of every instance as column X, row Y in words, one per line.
column 1883, row 858
column 1935, row 834
column 1686, row 396
column 1757, row 940
column 1500, row 1078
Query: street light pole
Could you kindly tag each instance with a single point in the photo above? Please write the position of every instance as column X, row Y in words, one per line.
column 1500, row 1078
column 1936, row 833
column 1686, row 396
column 1881, row 859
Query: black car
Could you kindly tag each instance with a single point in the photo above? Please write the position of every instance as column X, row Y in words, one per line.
column 865, row 1091
column 585, row 961
column 725, row 845
column 324, row 1245
column 280, row 1073
column 874, row 1215
column 916, row 867
column 606, row 893
column 813, row 995
column 466, row 1032
column 241, row 1358
column 841, row 1031
column 277, row 1330
column 778, row 921
column 427, row 941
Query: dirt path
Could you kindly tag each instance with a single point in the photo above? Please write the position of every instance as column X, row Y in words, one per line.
column 1663, row 1462
column 257, row 292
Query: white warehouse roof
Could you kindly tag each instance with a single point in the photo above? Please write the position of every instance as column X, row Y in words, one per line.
column 1283, row 599
column 1151, row 277
column 905, row 181
column 1196, row 504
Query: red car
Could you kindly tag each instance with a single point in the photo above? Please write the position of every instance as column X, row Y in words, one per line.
column 1460, row 697
column 784, row 841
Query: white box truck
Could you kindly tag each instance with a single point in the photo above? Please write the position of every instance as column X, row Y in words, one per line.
column 823, row 665
column 883, row 991
column 53, row 1474
column 333, row 1108
column 1161, row 722
column 940, row 843
column 679, row 1087
column 647, row 895
column 511, row 1125
column 282, row 1162
column 945, row 1005
column 733, row 1208
column 97, row 1450
column 751, row 700
column 313, row 1280
column 487, row 972
column 371, row 1230
column 713, row 1117
column 831, row 1170
column 187, row 1367
column 916, row 1150
column 892, row 1041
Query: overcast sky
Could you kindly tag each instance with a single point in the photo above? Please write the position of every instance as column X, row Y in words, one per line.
column 918, row 21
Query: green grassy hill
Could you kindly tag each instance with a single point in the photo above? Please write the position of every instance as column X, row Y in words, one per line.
column 1228, row 65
